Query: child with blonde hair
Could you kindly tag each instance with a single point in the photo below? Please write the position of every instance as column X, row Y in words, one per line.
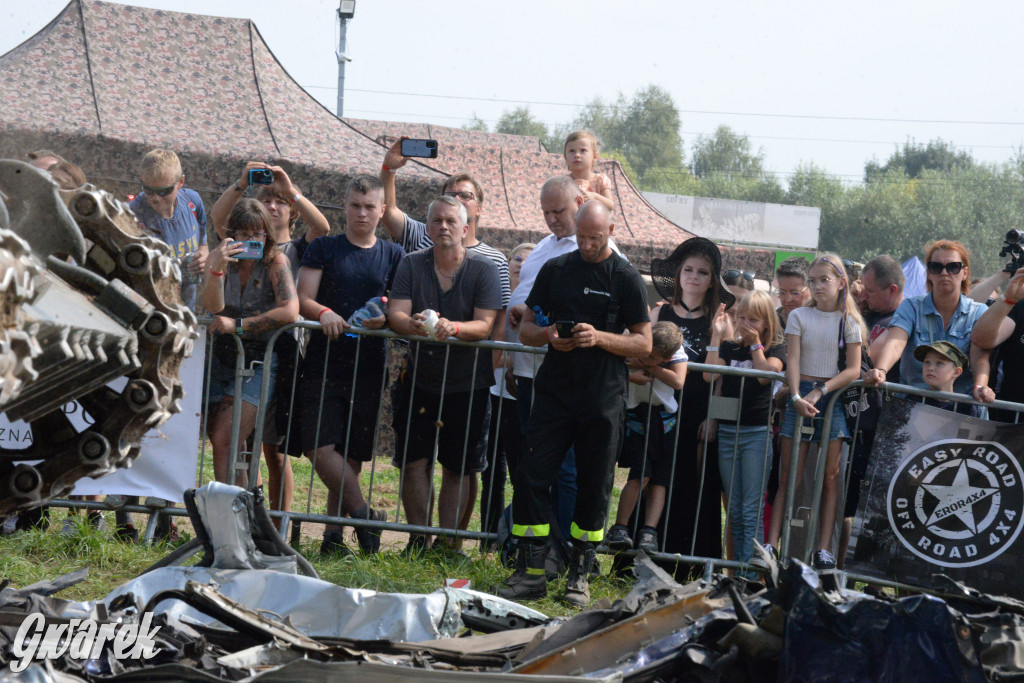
column 744, row 444
column 582, row 150
column 817, row 333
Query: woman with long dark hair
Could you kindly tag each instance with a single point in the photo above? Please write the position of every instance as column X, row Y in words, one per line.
column 249, row 297
column 691, row 281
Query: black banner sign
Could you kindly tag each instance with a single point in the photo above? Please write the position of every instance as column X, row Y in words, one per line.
column 944, row 493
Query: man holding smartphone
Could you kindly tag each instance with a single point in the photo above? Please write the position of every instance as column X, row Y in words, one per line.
column 579, row 398
column 412, row 234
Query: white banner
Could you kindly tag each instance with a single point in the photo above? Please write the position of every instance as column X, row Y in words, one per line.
column 729, row 220
column 167, row 463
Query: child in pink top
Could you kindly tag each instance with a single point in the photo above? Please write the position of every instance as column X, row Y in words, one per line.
column 581, row 151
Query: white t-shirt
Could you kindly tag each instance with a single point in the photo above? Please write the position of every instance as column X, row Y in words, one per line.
column 657, row 393
column 819, row 339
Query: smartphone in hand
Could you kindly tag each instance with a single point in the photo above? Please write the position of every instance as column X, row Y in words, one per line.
column 415, row 147
column 253, row 250
column 564, row 328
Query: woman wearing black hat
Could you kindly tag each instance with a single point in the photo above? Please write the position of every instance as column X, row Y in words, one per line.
column 691, row 280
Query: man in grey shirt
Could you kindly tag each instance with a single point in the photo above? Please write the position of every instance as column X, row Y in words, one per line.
column 444, row 397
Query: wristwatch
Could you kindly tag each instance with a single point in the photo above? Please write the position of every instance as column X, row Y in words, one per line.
column 820, row 386
column 238, row 326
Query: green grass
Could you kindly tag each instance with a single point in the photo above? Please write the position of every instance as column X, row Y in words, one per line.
column 28, row 557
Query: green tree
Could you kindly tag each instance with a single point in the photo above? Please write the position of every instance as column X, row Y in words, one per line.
column 644, row 129
column 520, row 121
column 626, row 167
column 913, row 158
column 725, row 152
column 475, row 123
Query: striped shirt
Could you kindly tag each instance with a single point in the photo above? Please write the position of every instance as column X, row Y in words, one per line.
column 414, row 238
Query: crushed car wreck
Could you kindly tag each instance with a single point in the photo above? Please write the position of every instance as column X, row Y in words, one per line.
column 249, row 611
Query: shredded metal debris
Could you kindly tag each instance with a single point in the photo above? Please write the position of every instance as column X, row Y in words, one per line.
column 250, row 613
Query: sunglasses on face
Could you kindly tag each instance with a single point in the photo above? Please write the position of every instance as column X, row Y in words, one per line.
column 160, row 191
column 935, row 268
column 736, row 274
column 518, row 258
column 464, row 196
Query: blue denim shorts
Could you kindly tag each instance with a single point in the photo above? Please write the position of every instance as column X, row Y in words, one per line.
column 838, row 430
column 222, row 382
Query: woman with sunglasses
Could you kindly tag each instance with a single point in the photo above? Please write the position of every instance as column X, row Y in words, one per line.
column 945, row 313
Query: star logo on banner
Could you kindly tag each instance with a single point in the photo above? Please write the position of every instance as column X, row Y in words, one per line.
column 957, row 499
column 957, row 502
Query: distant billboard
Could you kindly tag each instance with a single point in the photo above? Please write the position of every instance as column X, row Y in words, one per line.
column 730, row 220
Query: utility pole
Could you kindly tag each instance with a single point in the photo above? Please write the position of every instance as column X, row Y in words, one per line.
column 346, row 10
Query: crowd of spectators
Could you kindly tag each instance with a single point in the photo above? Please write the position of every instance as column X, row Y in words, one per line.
column 611, row 384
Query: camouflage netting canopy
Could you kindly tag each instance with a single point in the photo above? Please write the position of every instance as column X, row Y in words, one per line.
column 81, row 87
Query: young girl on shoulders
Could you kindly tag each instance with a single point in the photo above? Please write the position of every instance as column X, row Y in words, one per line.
column 816, row 334
column 581, row 151
column 744, row 445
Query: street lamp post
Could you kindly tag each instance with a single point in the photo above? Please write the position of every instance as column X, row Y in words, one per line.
column 346, row 10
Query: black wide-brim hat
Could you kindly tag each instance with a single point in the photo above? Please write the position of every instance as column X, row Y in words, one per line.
column 664, row 271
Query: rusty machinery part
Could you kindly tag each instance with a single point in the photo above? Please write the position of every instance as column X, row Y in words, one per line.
column 85, row 299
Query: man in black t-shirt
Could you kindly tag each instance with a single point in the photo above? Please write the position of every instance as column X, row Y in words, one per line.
column 338, row 276
column 590, row 296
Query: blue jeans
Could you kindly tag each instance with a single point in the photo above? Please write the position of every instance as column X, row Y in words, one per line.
column 222, row 383
column 563, row 493
column 837, row 429
column 744, row 459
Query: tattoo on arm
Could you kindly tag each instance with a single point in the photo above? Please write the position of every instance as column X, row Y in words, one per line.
column 284, row 290
column 262, row 323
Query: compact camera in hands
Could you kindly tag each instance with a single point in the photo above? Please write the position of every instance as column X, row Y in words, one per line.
column 261, row 176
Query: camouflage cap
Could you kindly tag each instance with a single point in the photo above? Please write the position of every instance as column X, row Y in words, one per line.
column 945, row 348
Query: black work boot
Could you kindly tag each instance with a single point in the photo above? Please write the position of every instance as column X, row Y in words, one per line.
column 527, row 581
column 577, row 584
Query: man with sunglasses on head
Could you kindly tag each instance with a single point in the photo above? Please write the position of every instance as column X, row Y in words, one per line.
column 412, row 234
column 168, row 211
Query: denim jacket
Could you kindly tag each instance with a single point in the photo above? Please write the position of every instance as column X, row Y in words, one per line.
column 918, row 317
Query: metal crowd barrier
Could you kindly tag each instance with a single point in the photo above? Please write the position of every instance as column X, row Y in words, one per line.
column 719, row 408
column 810, row 538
